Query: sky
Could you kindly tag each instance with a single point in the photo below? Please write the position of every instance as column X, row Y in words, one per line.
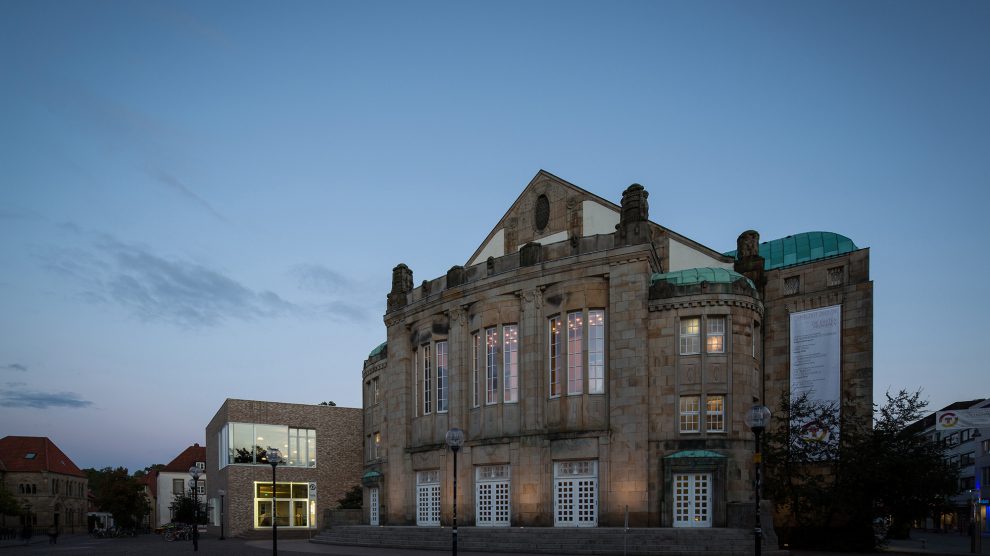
column 204, row 200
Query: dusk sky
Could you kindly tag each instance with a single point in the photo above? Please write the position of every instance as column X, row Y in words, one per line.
column 204, row 200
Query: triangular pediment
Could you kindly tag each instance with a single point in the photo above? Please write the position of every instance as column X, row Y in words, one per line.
column 548, row 210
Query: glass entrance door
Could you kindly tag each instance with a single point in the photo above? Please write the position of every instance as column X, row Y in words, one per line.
column 692, row 500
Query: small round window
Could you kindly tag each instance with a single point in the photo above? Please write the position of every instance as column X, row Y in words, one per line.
column 542, row 212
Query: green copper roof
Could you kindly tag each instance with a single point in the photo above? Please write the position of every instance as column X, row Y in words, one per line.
column 378, row 350
column 694, row 454
column 802, row 248
column 697, row 275
column 371, row 475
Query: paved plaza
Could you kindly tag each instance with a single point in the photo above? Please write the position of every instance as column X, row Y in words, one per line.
column 153, row 545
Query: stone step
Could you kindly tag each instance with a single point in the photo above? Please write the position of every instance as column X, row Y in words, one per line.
column 603, row 541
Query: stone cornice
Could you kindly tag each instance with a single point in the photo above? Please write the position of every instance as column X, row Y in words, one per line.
column 668, row 305
column 374, row 368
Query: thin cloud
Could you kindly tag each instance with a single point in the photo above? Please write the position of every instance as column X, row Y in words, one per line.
column 173, row 183
column 34, row 399
column 155, row 288
column 13, row 367
column 320, row 279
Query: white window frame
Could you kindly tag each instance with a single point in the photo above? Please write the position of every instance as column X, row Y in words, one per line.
column 428, row 498
column 715, row 413
column 510, row 363
column 556, row 354
column 690, row 414
column 715, row 327
column 475, row 373
column 376, row 445
column 443, row 390
column 493, row 501
column 596, row 351
column 692, row 492
column 574, row 482
column 427, row 381
column 690, row 335
column 373, row 510
column 491, row 365
column 575, row 353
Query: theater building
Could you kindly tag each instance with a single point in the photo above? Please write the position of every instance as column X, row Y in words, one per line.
column 600, row 365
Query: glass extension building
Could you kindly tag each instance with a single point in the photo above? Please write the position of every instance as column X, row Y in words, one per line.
column 320, row 446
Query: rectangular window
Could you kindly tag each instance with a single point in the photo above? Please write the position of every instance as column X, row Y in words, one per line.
column 491, row 366
column 376, row 445
column 690, row 336
column 375, row 393
column 715, row 337
column 178, row 486
column 690, row 406
column 792, row 285
column 427, row 382
column 596, row 352
column 575, row 353
column 476, row 364
column 556, row 352
column 715, row 414
column 291, row 501
column 510, row 363
column 441, row 377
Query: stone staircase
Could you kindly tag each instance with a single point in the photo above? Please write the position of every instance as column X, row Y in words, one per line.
column 603, row 541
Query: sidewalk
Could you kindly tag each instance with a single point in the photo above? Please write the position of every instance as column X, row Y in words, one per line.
column 920, row 542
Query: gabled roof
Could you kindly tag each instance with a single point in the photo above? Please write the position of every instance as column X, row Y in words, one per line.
column 35, row 454
column 151, row 481
column 802, row 248
column 187, row 459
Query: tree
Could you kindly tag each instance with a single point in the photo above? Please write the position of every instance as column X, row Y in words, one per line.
column 148, row 470
column 353, row 499
column 833, row 490
column 8, row 503
column 185, row 505
column 116, row 492
column 330, row 403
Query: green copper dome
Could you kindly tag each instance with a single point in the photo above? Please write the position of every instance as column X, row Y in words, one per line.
column 377, row 350
column 698, row 275
column 802, row 248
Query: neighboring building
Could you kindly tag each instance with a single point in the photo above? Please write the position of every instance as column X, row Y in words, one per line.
column 322, row 449
column 45, row 481
column 174, row 479
column 149, row 484
column 598, row 361
column 966, row 449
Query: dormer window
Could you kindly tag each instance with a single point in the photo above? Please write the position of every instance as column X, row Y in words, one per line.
column 201, row 465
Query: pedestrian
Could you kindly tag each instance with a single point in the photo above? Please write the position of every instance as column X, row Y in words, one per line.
column 53, row 534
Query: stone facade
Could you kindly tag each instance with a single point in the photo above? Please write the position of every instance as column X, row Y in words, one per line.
column 338, row 461
column 46, row 484
column 551, row 262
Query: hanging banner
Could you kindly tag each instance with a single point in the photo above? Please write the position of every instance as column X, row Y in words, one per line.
column 959, row 419
column 816, row 361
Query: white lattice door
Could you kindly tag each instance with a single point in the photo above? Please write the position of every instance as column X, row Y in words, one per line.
column 428, row 498
column 692, row 500
column 373, row 502
column 492, row 488
column 575, row 494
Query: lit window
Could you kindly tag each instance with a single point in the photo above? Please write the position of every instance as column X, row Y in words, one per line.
column 556, row 351
column 427, row 382
column 715, row 414
column 690, row 336
column 690, row 406
column 441, row 377
column 376, row 446
column 575, row 353
column 596, row 352
column 510, row 354
column 476, row 363
column 715, row 337
column 491, row 366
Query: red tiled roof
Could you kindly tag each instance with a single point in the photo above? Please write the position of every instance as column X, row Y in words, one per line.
column 187, row 459
column 151, row 481
column 14, row 451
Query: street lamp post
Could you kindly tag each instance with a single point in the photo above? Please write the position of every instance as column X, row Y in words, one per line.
column 194, row 472
column 274, row 458
column 976, row 540
column 455, row 439
column 757, row 419
column 221, row 492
